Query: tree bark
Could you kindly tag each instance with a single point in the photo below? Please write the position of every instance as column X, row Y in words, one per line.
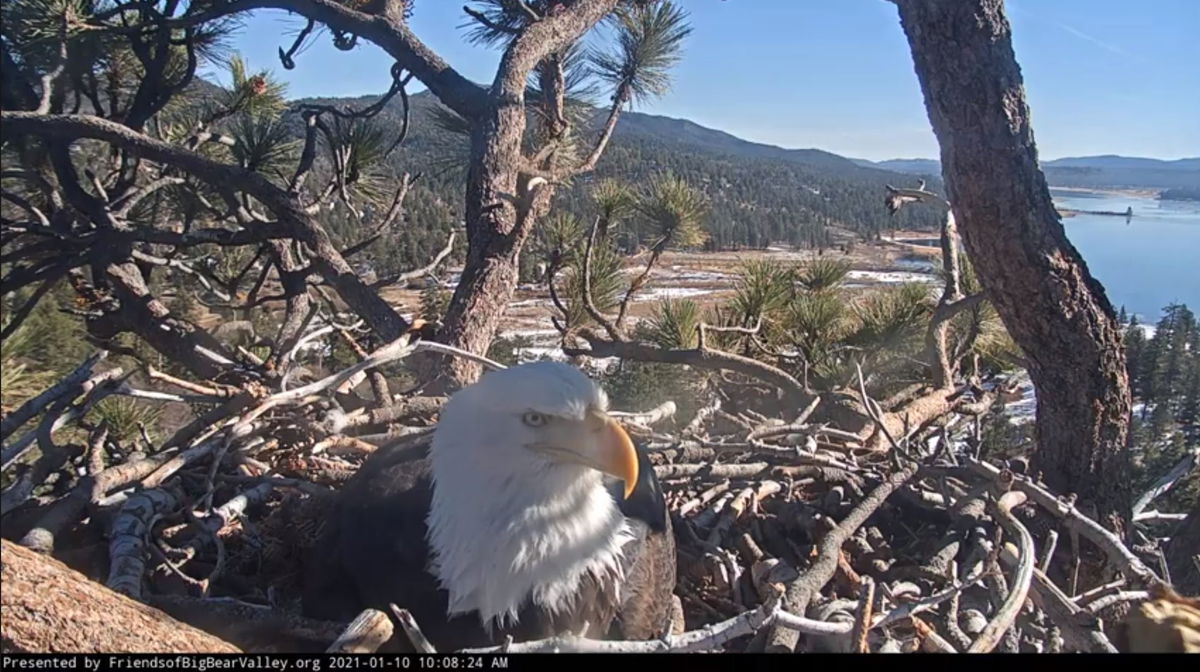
column 50, row 608
column 498, row 227
column 1056, row 312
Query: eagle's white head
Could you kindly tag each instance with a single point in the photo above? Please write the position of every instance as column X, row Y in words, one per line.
column 520, row 510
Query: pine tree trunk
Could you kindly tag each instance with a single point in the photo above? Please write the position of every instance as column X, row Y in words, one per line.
column 48, row 607
column 496, row 232
column 501, row 207
column 1056, row 312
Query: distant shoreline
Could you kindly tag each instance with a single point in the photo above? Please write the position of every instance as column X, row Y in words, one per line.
column 1137, row 193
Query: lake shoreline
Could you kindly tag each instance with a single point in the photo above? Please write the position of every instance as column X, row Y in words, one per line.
column 1135, row 193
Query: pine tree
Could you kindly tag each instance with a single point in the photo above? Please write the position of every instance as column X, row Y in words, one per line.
column 1135, row 347
column 433, row 302
column 1189, row 409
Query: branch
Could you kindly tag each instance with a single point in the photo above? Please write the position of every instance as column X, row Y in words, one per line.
column 1117, row 552
column 128, row 539
column 412, row 630
column 457, row 92
column 610, row 124
column 1007, row 614
column 68, row 385
column 651, row 417
column 93, row 390
column 420, row 272
column 705, row 358
column 1166, row 481
column 1063, row 612
column 705, row 639
column 328, row 261
column 365, row 634
column 392, row 214
column 479, row 16
column 802, row 591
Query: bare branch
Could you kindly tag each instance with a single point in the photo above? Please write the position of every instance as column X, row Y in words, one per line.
column 1075, row 521
column 801, row 592
column 420, row 272
column 68, row 385
column 1007, row 614
column 126, row 547
column 1167, row 481
column 706, row 358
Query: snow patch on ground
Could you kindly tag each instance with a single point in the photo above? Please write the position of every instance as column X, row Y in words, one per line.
column 1024, row 410
column 890, row 277
column 539, row 353
column 660, row 293
column 1021, row 406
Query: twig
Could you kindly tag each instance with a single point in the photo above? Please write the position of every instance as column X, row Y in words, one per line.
column 412, row 630
column 231, row 510
column 365, row 634
column 704, row 497
column 1062, row 612
column 749, row 470
column 862, row 616
column 651, row 417
column 1048, row 551
column 1167, row 481
column 1117, row 598
column 931, row 641
column 420, row 272
column 67, row 509
column 180, row 461
column 93, row 390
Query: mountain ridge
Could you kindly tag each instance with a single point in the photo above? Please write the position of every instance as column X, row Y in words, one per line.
column 1098, row 171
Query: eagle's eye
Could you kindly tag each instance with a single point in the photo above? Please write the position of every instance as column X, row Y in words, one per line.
column 533, row 419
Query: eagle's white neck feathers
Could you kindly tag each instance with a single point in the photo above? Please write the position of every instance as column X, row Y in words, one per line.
column 508, row 527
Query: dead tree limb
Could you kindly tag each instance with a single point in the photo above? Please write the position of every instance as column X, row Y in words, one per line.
column 704, row 358
column 67, row 385
column 128, row 540
column 1118, row 554
column 1019, row 588
column 802, row 591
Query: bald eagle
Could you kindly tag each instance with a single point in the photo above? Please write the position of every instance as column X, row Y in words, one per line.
column 530, row 514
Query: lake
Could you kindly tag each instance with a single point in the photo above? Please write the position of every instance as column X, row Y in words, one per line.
column 1145, row 264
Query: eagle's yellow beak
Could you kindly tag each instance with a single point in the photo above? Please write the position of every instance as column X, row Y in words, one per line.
column 617, row 456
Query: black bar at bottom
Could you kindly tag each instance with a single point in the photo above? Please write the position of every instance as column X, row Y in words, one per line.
column 328, row 662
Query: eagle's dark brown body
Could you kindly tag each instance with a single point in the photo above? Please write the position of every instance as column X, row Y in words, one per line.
column 374, row 553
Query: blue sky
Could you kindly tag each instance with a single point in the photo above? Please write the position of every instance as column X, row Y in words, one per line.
column 1102, row 76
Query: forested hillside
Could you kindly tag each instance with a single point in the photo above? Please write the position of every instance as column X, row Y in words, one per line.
column 760, row 194
column 1164, row 369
